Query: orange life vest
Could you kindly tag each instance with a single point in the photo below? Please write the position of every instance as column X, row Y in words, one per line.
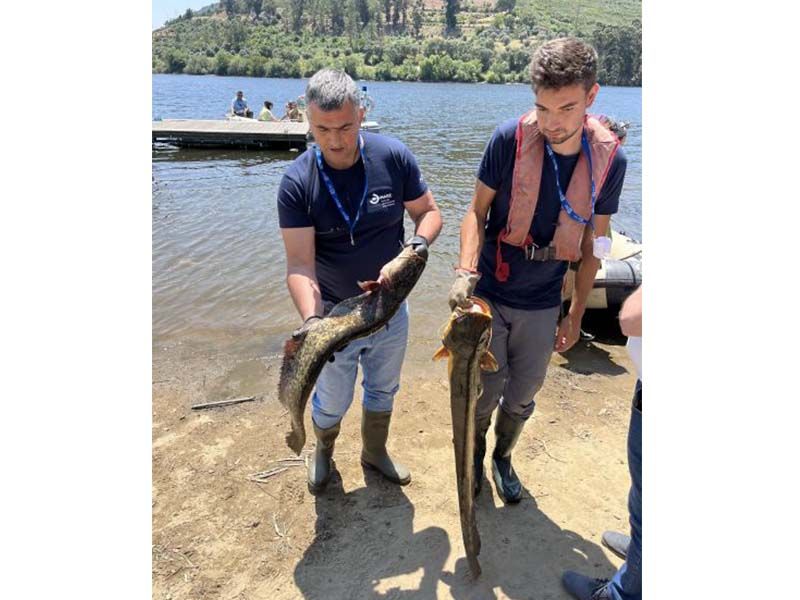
column 527, row 178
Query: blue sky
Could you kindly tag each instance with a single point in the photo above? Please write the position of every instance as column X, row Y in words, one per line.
column 163, row 10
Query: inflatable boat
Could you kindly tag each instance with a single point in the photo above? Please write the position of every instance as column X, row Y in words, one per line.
column 618, row 276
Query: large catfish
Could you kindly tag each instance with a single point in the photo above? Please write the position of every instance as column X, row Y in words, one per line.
column 353, row 318
column 465, row 341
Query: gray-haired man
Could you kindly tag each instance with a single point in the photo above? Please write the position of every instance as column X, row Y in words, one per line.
column 340, row 208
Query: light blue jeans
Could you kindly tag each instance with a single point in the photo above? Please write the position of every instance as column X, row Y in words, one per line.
column 381, row 356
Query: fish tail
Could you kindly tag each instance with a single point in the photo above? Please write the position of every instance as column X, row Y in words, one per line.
column 295, row 440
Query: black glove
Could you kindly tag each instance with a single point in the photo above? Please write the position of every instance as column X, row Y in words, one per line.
column 420, row 245
column 307, row 324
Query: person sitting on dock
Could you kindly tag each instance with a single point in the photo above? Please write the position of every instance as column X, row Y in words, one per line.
column 292, row 112
column 266, row 112
column 239, row 106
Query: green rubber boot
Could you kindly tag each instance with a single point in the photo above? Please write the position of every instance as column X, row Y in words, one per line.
column 374, row 433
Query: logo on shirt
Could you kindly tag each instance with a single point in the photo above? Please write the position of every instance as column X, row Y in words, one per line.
column 378, row 201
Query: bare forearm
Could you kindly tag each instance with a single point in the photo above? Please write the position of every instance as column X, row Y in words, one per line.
column 584, row 282
column 472, row 238
column 304, row 290
column 428, row 225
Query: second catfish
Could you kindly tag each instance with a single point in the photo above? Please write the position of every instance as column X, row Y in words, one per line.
column 465, row 343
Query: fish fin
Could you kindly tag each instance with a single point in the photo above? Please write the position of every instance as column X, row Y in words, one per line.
column 369, row 286
column 290, row 348
column 346, row 306
column 488, row 362
column 441, row 353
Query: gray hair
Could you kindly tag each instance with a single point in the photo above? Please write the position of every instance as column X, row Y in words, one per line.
column 330, row 89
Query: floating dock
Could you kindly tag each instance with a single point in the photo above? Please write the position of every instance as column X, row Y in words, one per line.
column 233, row 133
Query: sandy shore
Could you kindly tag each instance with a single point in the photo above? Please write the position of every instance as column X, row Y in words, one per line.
column 218, row 535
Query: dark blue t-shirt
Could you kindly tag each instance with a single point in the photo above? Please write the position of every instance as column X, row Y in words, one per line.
column 531, row 285
column 304, row 201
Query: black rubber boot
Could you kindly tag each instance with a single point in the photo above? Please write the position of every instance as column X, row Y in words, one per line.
column 507, row 431
column 481, row 427
column 319, row 463
column 374, row 433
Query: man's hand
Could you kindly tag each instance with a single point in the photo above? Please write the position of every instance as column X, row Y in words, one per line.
column 419, row 244
column 306, row 326
column 462, row 288
column 567, row 334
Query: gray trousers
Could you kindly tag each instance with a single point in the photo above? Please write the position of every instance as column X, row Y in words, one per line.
column 522, row 343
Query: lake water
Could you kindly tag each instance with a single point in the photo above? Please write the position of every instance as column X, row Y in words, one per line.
column 218, row 258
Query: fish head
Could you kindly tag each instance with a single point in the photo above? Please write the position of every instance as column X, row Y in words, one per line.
column 402, row 272
column 469, row 329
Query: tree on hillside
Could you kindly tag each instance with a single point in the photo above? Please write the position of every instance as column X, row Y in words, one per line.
column 387, row 8
column 451, row 9
column 337, row 17
column 352, row 22
column 235, row 36
column 230, row 7
column 399, row 17
column 404, row 11
column 254, row 6
column 506, row 5
column 316, row 14
column 364, row 13
column 416, row 18
column 296, row 9
column 619, row 50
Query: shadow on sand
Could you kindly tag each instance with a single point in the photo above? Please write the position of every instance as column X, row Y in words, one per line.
column 523, row 553
column 366, row 536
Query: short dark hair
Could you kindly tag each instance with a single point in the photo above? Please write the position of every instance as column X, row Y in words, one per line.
column 563, row 62
column 268, row 104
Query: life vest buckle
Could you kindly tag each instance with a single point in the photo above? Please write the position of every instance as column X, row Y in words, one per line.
column 532, row 252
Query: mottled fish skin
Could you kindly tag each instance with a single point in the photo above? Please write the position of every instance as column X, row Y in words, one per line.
column 353, row 318
column 465, row 339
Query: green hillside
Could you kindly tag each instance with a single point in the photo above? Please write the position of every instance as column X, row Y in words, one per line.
column 413, row 40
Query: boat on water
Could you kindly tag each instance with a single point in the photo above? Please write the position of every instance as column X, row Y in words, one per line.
column 619, row 274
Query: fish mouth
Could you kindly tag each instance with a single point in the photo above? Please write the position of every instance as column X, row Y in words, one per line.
column 478, row 306
column 478, row 310
column 391, row 270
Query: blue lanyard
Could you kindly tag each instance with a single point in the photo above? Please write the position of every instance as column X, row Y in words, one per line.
column 564, row 202
column 335, row 196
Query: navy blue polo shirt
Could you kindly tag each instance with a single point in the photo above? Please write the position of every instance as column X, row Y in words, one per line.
column 304, row 201
column 531, row 285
